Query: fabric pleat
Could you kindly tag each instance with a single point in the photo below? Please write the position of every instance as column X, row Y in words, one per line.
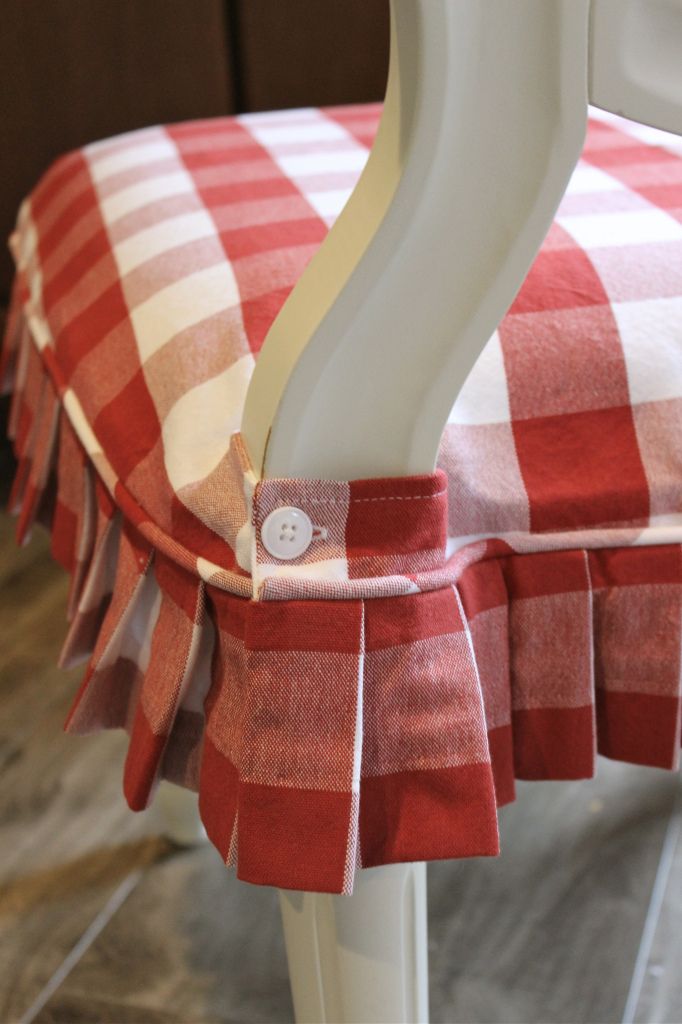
column 381, row 719
column 174, row 646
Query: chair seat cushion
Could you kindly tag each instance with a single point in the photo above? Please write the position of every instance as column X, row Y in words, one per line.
column 519, row 612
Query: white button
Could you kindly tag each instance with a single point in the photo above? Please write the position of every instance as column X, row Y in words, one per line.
column 287, row 533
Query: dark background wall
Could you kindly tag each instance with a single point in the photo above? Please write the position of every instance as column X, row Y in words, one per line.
column 72, row 71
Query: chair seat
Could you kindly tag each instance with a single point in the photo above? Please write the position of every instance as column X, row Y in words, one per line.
column 540, row 590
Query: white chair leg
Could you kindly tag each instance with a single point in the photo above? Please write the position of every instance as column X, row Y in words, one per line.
column 360, row 959
column 178, row 815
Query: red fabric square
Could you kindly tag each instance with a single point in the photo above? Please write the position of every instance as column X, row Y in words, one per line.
column 582, row 470
column 329, row 626
column 241, row 150
column 83, row 202
column 218, row 792
column 84, row 332
column 394, row 621
column 128, row 427
column 618, row 567
column 482, row 587
column 226, row 193
column 559, row 279
column 256, row 238
column 96, row 247
column 428, row 815
column 639, row 728
column 293, row 838
column 569, row 360
column 666, row 197
column 545, row 572
column 392, row 517
column 554, row 743
column 628, row 152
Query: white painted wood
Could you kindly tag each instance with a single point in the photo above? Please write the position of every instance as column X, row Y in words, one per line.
column 635, row 60
column 361, row 958
column 177, row 813
column 484, row 120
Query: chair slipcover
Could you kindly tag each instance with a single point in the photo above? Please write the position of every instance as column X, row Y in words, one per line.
column 510, row 615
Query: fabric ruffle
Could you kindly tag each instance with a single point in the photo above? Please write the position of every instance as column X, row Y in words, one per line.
column 378, row 717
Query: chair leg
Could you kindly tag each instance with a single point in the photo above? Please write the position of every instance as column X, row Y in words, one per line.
column 360, row 959
column 178, row 815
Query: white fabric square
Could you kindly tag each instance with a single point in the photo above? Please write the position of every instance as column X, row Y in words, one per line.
column 148, row 191
column 329, row 204
column 586, row 179
column 350, row 159
column 484, row 397
column 263, row 117
column 651, row 335
column 182, row 304
column 312, row 131
column 144, row 245
column 593, row 231
column 160, row 148
column 198, row 428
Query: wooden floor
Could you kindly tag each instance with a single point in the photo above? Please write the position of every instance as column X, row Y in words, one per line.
column 580, row 920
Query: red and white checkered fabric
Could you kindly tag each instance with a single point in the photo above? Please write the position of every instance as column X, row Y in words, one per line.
column 508, row 616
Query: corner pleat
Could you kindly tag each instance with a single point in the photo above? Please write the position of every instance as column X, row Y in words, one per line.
column 485, row 601
column 551, row 656
column 637, row 612
column 94, row 576
column 107, row 695
column 279, row 772
column 427, row 789
column 174, row 652
column 578, row 653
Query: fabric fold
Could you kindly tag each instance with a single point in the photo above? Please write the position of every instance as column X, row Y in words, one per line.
column 638, row 610
column 337, row 732
column 279, row 782
column 511, row 615
column 174, row 649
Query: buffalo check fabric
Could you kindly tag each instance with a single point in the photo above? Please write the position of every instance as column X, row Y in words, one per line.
column 508, row 616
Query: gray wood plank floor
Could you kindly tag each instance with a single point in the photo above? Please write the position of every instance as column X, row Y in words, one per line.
column 102, row 920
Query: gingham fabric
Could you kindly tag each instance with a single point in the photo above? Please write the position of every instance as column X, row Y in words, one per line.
column 506, row 617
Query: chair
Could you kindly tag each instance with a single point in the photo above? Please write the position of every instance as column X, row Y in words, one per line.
column 441, row 190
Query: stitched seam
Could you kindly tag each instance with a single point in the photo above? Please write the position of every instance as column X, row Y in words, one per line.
column 391, row 497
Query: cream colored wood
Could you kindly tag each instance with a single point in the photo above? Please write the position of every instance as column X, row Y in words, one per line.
column 364, row 957
column 484, row 121
column 635, row 60
column 177, row 812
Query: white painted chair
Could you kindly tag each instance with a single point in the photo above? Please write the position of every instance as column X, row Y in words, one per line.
column 484, row 121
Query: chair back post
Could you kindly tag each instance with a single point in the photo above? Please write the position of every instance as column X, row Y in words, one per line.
column 484, row 121
column 635, row 60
